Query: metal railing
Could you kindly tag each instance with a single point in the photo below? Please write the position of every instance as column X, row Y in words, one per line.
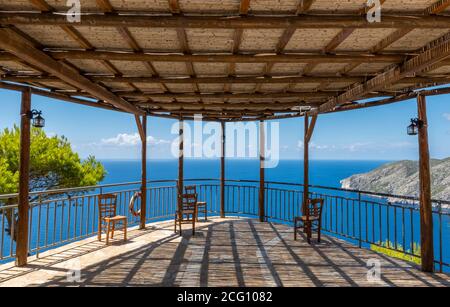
column 366, row 219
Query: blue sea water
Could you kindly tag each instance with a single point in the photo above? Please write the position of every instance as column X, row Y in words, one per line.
column 325, row 173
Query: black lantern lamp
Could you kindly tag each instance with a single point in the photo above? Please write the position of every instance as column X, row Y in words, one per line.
column 416, row 124
column 37, row 120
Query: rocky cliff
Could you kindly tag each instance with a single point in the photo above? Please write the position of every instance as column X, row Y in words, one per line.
column 402, row 178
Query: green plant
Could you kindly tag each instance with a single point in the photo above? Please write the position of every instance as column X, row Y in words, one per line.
column 53, row 165
column 387, row 248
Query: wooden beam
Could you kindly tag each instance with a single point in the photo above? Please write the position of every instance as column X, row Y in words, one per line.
column 41, row 5
column 244, row 7
column 24, row 181
column 105, row 6
column 426, row 207
column 438, row 7
column 227, row 80
column 416, row 64
column 143, row 216
column 236, row 58
column 215, row 22
column 397, row 35
column 278, row 106
column 229, row 96
column 262, row 185
column 338, row 39
column 13, row 43
column 304, row 6
column 222, row 169
column 311, row 128
column 140, row 127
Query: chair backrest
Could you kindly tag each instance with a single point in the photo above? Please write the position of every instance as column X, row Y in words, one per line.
column 107, row 205
column 187, row 201
column 315, row 207
column 190, row 189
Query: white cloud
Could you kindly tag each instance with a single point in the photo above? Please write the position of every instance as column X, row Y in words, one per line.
column 358, row 146
column 129, row 140
column 446, row 116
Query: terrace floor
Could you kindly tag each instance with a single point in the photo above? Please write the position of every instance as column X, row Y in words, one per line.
column 224, row 252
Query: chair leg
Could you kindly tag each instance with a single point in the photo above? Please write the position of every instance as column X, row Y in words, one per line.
column 206, row 213
column 99, row 235
column 193, row 221
column 125, row 229
column 295, row 230
column 319, row 232
column 108, row 229
column 175, row 224
column 179, row 225
column 309, row 231
column 113, row 230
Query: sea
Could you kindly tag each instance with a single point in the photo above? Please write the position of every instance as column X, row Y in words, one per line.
column 322, row 172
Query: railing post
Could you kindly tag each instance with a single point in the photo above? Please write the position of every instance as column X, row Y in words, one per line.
column 359, row 218
column 261, row 171
column 144, row 175
column 222, row 172
column 24, row 177
column 426, row 207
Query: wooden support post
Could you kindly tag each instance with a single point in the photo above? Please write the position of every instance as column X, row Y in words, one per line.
column 24, row 178
column 262, row 138
column 305, row 165
column 181, row 159
column 144, row 174
column 426, row 209
column 222, row 173
column 309, row 129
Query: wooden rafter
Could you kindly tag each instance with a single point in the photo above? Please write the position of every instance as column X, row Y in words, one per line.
column 304, row 6
column 15, row 44
column 237, row 40
column 416, row 64
column 438, row 7
column 400, row 33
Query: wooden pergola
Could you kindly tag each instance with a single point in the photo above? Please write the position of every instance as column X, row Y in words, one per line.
column 230, row 60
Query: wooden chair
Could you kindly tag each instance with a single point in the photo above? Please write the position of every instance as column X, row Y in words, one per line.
column 108, row 218
column 201, row 205
column 186, row 211
column 312, row 218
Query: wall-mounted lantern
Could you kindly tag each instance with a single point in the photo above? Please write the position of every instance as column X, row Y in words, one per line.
column 413, row 128
column 37, row 120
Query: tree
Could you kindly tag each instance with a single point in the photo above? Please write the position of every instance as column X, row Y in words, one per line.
column 53, row 165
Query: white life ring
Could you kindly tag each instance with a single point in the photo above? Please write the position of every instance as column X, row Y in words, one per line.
column 132, row 202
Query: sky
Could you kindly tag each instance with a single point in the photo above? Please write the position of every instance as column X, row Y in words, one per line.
column 377, row 133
